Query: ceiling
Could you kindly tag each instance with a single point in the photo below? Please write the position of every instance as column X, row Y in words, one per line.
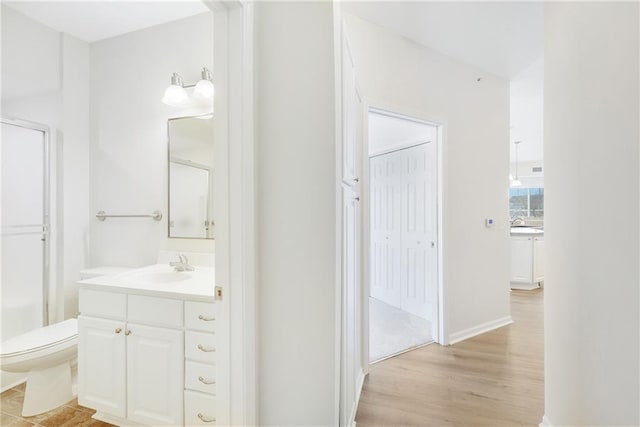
column 97, row 20
column 502, row 38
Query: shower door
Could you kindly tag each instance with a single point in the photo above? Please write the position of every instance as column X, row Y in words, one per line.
column 24, row 221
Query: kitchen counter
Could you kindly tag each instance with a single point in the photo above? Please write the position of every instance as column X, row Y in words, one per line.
column 527, row 231
column 159, row 280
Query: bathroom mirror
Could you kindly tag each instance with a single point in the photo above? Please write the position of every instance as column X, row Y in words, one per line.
column 191, row 177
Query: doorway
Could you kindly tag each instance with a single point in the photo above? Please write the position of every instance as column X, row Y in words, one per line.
column 403, row 233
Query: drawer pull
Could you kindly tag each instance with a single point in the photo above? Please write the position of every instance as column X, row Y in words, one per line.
column 205, row 419
column 205, row 349
column 203, row 380
column 206, row 319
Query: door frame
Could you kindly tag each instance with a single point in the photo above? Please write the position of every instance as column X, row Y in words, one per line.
column 234, row 186
column 51, row 295
column 440, row 124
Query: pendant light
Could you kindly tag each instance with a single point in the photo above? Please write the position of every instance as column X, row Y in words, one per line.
column 204, row 88
column 175, row 95
column 516, row 181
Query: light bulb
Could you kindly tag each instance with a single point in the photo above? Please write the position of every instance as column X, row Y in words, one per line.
column 203, row 90
column 175, row 96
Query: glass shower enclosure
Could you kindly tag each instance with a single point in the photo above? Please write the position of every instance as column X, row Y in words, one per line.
column 24, row 222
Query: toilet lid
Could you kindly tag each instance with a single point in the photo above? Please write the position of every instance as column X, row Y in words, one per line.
column 41, row 337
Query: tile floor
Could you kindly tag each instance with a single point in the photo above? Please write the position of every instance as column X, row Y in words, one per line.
column 392, row 330
column 68, row 415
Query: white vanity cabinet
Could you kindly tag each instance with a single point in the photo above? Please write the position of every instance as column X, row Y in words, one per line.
column 527, row 268
column 138, row 354
column 200, row 364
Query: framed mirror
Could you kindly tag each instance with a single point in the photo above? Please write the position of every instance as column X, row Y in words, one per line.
column 191, row 177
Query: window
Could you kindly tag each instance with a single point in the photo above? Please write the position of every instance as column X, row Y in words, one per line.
column 526, row 202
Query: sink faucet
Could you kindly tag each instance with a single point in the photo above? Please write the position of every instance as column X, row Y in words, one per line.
column 517, row 220
column 182, row 264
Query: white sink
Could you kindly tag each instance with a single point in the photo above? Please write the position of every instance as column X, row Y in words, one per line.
column 160, row 277
column 160, row 280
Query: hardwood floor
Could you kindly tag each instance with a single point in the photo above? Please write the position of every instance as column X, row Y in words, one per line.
column 495, row 379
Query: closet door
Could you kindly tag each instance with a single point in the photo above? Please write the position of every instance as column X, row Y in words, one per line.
column 418, row 231
column 385, row 209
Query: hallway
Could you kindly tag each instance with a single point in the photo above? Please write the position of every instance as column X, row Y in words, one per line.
column 494, row 379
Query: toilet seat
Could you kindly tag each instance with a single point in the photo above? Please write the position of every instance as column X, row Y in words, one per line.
column 39, row 342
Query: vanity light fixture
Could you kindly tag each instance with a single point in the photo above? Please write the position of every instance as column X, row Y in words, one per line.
column 204, row 88
column 516, row 182
column 176, row 95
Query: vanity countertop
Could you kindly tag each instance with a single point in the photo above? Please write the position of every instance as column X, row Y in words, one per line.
column 159, row 280
column 527, row 231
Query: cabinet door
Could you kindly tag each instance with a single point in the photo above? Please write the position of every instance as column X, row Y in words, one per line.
column 350, row 299
column 155, row 375
column 101, row 365
column 385, row 228
column 352, row 120
column 521, row 256
column 538, row 259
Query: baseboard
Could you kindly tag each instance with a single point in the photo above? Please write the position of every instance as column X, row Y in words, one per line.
column 480, row 329
column 359, row 385
column 545, row 422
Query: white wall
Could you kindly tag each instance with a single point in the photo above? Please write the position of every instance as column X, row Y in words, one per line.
column 129, row 74
column 30, row 56
column 526, row 96
column 59, row 98
column 386, row 133
column 296, row 213
column 394, row 71
column 592, row 329
column 73, row 166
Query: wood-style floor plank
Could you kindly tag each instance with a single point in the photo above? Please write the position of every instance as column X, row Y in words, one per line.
column 495, row 379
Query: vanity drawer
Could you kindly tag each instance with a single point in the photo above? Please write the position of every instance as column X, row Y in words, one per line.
column 155, row 311
column 199, row 409
column 200, row 346
column 200, row 316
column 102, row 304
column 200, row 377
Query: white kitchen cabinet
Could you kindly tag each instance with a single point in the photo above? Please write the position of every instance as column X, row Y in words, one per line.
column 527, row 261
column 538, row 259
column 101, row 365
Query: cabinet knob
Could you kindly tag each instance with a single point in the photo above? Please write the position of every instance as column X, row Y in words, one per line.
column 433, row 244
column 127, row 332
column 206, row 419
column 118, row 330
column 203, row 380
column 205, row 318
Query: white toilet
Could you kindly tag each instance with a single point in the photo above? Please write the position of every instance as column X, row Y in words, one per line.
column 46, row 355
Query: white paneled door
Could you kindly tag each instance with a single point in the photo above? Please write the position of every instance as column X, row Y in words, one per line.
column 404, row 229
column 386, row 190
